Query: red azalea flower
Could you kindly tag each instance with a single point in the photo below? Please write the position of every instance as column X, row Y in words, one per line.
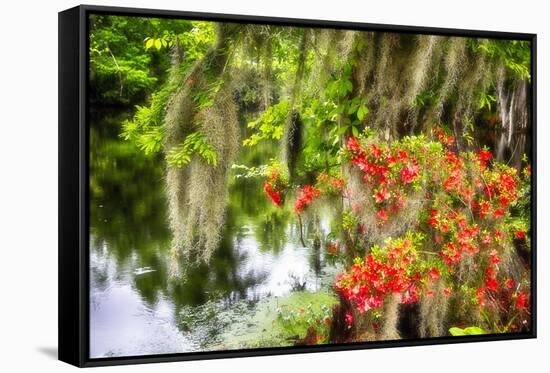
column 495, row 259
column 434, row 274
column 480, row 294
column 498, row 213
column 521, row 301
column 509, row 283
column 520, row 234
column 391, row 160
column 274, row 195
column 381, row 195
column 305, row 198
column 433, row 218
column 402, row 155
column 491, row 283
column 410, row 296
column 353, row 145
column 483, row 208
column 409, row 173
column 443, row 137
column 447, row 291
column 376, row 152
column 504, row 201
column 382, row 215
column 484, row 155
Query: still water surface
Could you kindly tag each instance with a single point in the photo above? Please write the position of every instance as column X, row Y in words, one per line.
column 135, row 308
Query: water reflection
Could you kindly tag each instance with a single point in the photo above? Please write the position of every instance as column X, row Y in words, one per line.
column 135, row 308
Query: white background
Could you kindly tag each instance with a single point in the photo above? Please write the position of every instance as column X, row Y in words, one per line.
column 28, row 185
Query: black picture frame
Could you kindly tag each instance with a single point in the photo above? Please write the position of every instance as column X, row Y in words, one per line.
column 74, row 194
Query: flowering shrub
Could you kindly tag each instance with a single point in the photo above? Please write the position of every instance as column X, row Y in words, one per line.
column 276, row 183
column 466, row 230
column 393, row 269
column 306, row 194
column 391, row 172
column 326, row 185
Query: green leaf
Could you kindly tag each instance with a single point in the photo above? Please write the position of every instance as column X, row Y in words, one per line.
column 348, row 86
column 270, row 124
column 149, row 43
column 456, row 332
column 362, row 112
column 158, row 44
column 355, row 131
column 353, row 106
column 471, row 330
column 474, row 330
column 194, row 143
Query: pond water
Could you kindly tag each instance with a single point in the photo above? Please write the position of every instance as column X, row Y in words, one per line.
column 135, row 308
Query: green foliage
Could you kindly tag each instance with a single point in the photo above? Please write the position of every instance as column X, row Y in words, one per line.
column 330, row 119
column 516, row 55
column 349, row 221
column 204, row 98
column 146, row 128
column 194, row 143
column 471, row 330
column 122, row 70
column 426, row 98
column 196, row 41
column 306, row 312
column 270, row 124
column 150, row 142
column 158, row 43
column 486, row 101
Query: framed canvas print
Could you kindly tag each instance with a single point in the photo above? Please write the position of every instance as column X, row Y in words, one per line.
column 237, row 186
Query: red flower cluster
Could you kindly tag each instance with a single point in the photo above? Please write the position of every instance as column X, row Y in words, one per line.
column 328, row 184
column 388, row 171
column 466, row 197
column 454, row 235
column 443, row 137
column 274, row 195
column 390, row 271
column 467, row 220
column 275, row 186
column 409, row 172
column 305, row 197
column 521, row 301
column 520, row 234
column 484, row 155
